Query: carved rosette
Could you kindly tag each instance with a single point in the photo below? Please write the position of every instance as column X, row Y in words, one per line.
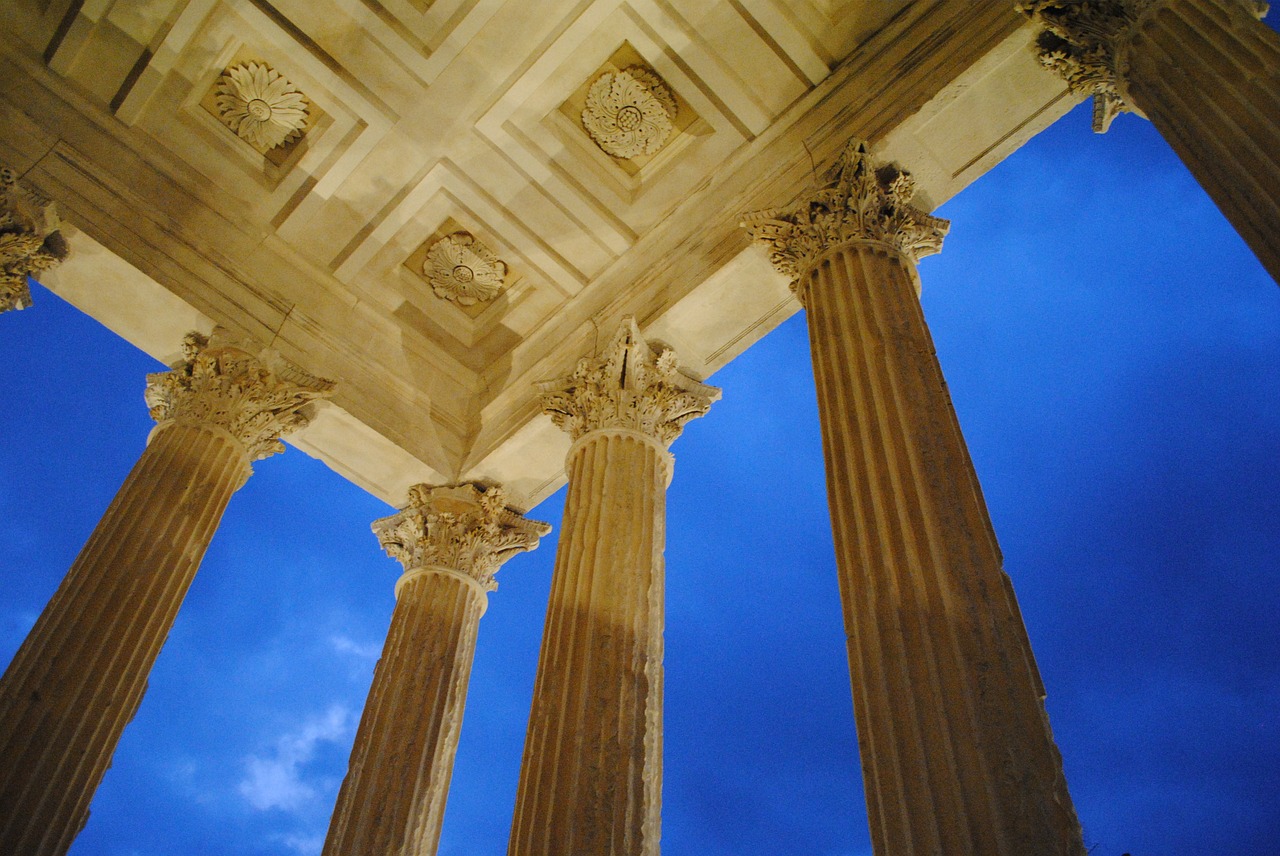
column 629, row 113
column 257, row 399
column 627, row 386
column 30, row 241
column 463, row 270
column 858, row 201
column 460, row 527
column 260, row 105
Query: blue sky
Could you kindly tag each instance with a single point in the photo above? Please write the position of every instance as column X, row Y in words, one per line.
column 1113, row 351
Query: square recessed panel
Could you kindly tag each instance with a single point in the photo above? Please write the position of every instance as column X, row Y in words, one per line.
column 171, row 102
column 285, row 154
column 387, row 267
column 535, row 126
column 417, row 264
column 683, row 119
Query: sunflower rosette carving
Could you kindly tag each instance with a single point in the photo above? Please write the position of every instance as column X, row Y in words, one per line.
column 629, row 113
column 261, row 105
column 462, row 269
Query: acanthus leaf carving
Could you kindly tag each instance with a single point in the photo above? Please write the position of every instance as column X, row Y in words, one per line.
column 1082, row 42
column 629, row 113
column 257, row 398
column 462, row 527
column 30, row 240
column 857, row 200
column 261, row 105
column 628, row 386
column 1085, row 42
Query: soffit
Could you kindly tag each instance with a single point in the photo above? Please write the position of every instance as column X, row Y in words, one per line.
column 430, row 118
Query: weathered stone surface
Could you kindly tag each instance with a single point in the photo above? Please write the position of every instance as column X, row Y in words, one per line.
column 591, row 778
column 80, row 675
column 30, row 240
column 450, row 540
column 856, row 201
column 257, row 398
column 956, row 752
column 1207, row 75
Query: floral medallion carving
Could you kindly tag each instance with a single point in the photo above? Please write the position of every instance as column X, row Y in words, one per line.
column 629, row 113
column 858, row 200
column 461, row 527
column 260, row 105
column 30, row 241
column 462, row 269
column 628, row 386
column 256, row 398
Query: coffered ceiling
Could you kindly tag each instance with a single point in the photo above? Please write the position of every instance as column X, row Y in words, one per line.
column 440, row 203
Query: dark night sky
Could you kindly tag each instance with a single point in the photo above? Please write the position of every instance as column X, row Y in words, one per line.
column 1113, row 350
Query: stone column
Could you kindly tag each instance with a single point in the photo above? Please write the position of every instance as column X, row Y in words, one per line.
column 1207, row 75
column 591, row 778
column 30, row 240
column 956, row 750
column 80, row 675
column 451, row 541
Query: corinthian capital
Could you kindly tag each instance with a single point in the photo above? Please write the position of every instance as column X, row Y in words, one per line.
column 256, row 397
column 629, row 385
column 29, row 240
column 1083, row 42
column 461, row 528
column 857, row 200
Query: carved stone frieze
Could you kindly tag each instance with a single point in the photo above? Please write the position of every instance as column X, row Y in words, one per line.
column 629, row 113
column 30, row 241
column 460, row 527
column 462, row 269
column 260, row 105
column 857, row 201
column 256, row 398
column 628, row 386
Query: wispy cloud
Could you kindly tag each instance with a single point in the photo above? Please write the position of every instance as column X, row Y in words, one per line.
column 347, row 645
column 303, row 845
column 275, row 781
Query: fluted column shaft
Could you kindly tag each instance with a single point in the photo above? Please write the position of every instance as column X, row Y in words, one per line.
column 392, row 801
column 80, row 675
column 956, row 752
column 591, row 778
column 957, row 756
column 451, row 540
column 1207, row 75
